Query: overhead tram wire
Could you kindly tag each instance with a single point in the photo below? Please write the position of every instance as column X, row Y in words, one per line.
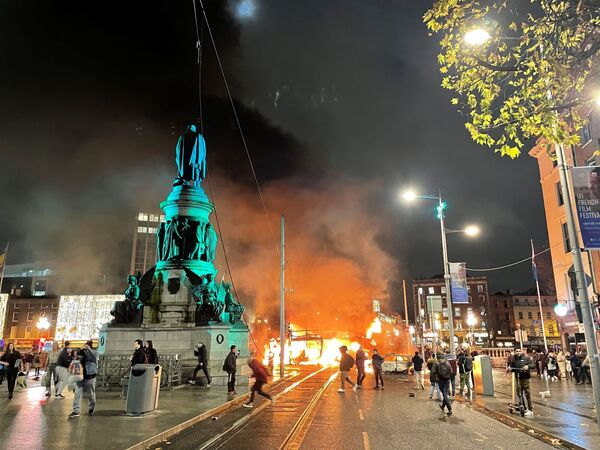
column 490, row 269
column 199, row 42
column 239, row 126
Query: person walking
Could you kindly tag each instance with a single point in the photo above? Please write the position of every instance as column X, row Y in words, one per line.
column 443, row 370
column 202, row 355
column 139, row 356
column 377, row 361
column 151, row 353
column 230, row 366
column 51, row 363
column 552, row 367
column 35, row 364
column 452, row 361
column 11, row 360
column 417, row 362
column 568, row 368
column 259, row 373
column 431, row 362
column 585, row 370
column 89, row 363
column 576, row 366
column 562, row 364
column 360, row 366
column 346, row 364
column 62, row 369
column 465, row 366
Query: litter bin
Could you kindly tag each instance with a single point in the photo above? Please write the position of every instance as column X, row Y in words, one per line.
column 483, row 376
column 142, row 392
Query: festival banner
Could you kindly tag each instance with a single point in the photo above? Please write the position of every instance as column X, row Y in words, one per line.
column 458, row 282
column 586, row 185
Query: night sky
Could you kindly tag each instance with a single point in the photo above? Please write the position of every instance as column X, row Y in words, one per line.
column 331, row 94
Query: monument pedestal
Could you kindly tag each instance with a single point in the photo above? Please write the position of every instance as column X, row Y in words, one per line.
column 217, row 337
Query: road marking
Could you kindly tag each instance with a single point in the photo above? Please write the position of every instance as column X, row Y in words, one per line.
column 366, row 440
column 360, row 414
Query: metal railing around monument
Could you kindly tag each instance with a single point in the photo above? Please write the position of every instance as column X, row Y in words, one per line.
column 114, row 369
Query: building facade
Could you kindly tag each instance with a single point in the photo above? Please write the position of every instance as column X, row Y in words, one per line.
column 471, row 320
column 584, row 154
column 528, row 318
column 143, row 249
column 502, row 318
column 23, row 319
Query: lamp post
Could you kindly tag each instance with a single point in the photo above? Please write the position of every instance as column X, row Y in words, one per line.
column 471, row 230
column 561, row 310
column 471, row 321
column 42, row 325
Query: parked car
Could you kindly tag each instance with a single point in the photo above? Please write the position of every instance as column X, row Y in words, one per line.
column 395, row 363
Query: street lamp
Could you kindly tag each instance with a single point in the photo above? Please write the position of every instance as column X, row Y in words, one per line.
column 42, row 325
column 561, row 310
column 472, row 230
column 471, row 322
column 477, row 37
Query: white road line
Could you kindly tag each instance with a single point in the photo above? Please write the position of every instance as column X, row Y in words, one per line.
column 366, row 440
column 360, row 414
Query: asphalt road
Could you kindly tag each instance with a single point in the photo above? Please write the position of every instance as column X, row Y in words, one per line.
column 390, row 419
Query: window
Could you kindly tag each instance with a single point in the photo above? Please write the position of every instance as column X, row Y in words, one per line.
column 506, row 317
column 53, row 316
column 43, row 314
column 15, row 317
column 17, row 306
column 443, row 289
column 532, row 330
column 54, row 305
column 517, row 302
column 468, row 288
column 445, row 312
column 566, row 242
column 457, row 312
column 151, row 230
column 529, row 315
column 482, row 310
column 143, row 217
column 585, row 134
column 539, row 314
column 153, row 218
column 551, row 329
column 481, row 299
column 559, row 196
column 480, row 288
column 30, row 316
column 162, row 217
column 30, row 306
column 548, row 316
column 506, row 303
column 469, row 311
column 44, row 306
column 545, row 301
column 521, row 315
column 431, row 290
column 27, row 332
column 142, row 229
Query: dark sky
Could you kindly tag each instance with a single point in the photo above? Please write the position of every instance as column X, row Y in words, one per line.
column 93, row 95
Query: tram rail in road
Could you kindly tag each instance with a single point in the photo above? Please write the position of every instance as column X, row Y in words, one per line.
column 282, row 425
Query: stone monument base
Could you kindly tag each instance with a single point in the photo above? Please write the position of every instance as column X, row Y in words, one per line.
column 217, row 337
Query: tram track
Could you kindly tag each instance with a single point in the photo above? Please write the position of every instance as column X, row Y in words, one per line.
column 282, row 425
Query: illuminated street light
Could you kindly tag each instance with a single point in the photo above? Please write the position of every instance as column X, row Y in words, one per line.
column 43, row 324
column 477, row 37
column 472, row 230
column 409, row 196
column 471, row 320
column 561, row 309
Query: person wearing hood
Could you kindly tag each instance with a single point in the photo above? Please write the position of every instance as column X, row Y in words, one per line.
column 259, row 373
column 360, row 366
column 202, row 355
column 346, row 364
column 443, row 370
column 431, row 362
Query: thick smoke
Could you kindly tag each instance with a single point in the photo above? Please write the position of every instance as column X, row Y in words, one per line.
column 335, row 265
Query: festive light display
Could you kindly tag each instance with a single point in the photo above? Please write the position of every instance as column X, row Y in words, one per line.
column 3, row 304
column 81, row 316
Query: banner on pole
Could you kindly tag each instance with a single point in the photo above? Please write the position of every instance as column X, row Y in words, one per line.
column 586, row 185
column 458, row 282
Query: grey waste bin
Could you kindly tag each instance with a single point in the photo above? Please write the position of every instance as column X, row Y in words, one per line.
column 483, row 376
column 143, row 389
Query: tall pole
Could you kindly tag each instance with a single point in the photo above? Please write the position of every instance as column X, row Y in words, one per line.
column 405, row 305
column 537, row 287
column 3, row 265
column 447, row 276
column 282, row 302
column 582, row 295
column 419, row 294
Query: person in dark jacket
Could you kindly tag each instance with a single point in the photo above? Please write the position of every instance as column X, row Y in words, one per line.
column 10, row 360
column 443, row 372
column 360, row 366
column 576, row 368
column 259, row 373
column 89, row 363
column 417, row 362
column 202, row 354
column 62, row 369
column 230, row 366
column 465, row 366
column 346, row 364
column 522, row 365
column 377, row 361
column 431, row 362
column 151, row 353
column 139, row 356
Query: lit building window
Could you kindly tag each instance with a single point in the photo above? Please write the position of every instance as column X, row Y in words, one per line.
column 142, row 229
column 480, row 288
column 520, row 314
column 143, row 217
column 431, row 290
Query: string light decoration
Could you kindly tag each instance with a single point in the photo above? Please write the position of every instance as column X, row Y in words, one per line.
column 3, row 305
column 80, row 317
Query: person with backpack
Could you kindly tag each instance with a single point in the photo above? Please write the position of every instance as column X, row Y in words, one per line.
column 346, row 364
column 465, row 366
column 260, row 374
column 230, row 366
column 85, row 378
column 443, row 370
column 418, row 369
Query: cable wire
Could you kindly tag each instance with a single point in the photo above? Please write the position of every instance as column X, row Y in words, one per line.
column 489, row 269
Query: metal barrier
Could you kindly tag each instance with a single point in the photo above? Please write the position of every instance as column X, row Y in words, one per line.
column 113, row 370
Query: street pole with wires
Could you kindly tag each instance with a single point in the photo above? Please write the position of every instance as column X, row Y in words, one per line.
column 282, row 302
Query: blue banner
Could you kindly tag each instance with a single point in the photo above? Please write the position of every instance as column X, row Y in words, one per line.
column 586, row 186
column 458, row 283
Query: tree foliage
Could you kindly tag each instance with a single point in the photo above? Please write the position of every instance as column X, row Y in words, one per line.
column 530, row 78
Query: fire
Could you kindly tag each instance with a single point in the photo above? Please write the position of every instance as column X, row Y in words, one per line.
column 323, row 353
column 374, row 328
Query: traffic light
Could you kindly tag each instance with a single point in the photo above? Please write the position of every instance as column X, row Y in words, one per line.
column 440, row 209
